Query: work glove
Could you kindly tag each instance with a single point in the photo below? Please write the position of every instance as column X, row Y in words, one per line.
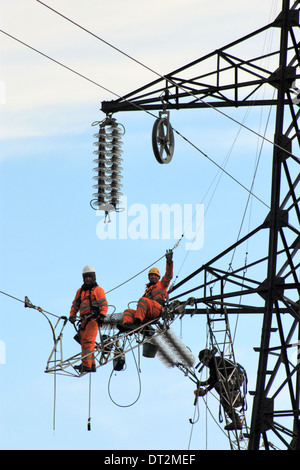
column 72, row 319
column 100, row 319
column 169, row 255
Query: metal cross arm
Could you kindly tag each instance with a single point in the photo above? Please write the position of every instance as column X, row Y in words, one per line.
column 218, row 79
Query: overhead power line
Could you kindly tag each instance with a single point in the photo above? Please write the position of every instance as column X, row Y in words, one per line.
column 58, row 63
column 209, row 105
column 99, row 38
column 137, row 106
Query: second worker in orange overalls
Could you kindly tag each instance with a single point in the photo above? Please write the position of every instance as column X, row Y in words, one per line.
column 150, row 306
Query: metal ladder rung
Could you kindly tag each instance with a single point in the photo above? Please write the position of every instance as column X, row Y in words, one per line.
column 217, row 319
column 219, row 331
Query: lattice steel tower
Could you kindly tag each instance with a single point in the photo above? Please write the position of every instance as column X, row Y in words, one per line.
column 276, row 296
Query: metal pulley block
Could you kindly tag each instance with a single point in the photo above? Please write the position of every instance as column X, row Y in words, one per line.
column 163, row 138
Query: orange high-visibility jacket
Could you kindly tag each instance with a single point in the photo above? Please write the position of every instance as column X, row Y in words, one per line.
column 158, row 291
column 87, row 301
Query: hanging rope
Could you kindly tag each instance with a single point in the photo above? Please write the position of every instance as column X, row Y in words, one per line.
column 193, row 421
column 140, row 386
column 28, row 304
column 54, row 398
column 90, row 398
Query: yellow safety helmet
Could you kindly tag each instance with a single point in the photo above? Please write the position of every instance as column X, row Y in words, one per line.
column 154, row 271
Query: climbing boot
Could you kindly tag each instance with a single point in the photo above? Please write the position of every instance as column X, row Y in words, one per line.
column 81, row 368
column 234, row 426
column 127, row 327
column 121, row 328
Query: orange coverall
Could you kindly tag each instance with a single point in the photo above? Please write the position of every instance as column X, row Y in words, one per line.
column 150, row 306
column 87, row 301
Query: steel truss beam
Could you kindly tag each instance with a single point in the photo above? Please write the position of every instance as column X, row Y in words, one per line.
column 220, row 79
column 232, row 82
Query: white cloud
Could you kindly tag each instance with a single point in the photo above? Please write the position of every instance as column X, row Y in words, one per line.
column 161, row 35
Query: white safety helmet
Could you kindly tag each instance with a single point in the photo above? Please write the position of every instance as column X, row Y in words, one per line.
column 88, row 269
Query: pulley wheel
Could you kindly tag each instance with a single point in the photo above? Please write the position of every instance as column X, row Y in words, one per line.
column 163, row 140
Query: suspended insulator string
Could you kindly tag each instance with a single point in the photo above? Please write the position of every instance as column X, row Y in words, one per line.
column 108, row 167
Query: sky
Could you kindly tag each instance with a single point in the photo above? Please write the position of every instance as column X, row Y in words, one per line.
column 49, row 230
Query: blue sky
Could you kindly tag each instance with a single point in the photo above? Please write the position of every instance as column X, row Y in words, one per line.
column 49, row 231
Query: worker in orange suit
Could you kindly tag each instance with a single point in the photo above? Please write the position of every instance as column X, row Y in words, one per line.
column 90, row 301
column 150, row 306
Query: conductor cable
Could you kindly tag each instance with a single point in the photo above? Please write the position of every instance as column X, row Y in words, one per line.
column 171, row 81
column 137, row 106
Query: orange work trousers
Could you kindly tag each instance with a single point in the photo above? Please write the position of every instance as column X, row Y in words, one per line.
column 88, row 333
column 147, row 310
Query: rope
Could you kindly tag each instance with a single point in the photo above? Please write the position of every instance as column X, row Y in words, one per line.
column 140, row 385
column 90, row 397
column 193, row 422
column 28, row 304
column 130, row 279
column 145, row 269
column 54, row 397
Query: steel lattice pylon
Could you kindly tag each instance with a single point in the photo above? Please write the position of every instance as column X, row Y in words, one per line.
column 276, row 296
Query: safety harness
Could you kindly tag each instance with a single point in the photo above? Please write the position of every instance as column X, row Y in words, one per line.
column 149, row 294
column 94, row 311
